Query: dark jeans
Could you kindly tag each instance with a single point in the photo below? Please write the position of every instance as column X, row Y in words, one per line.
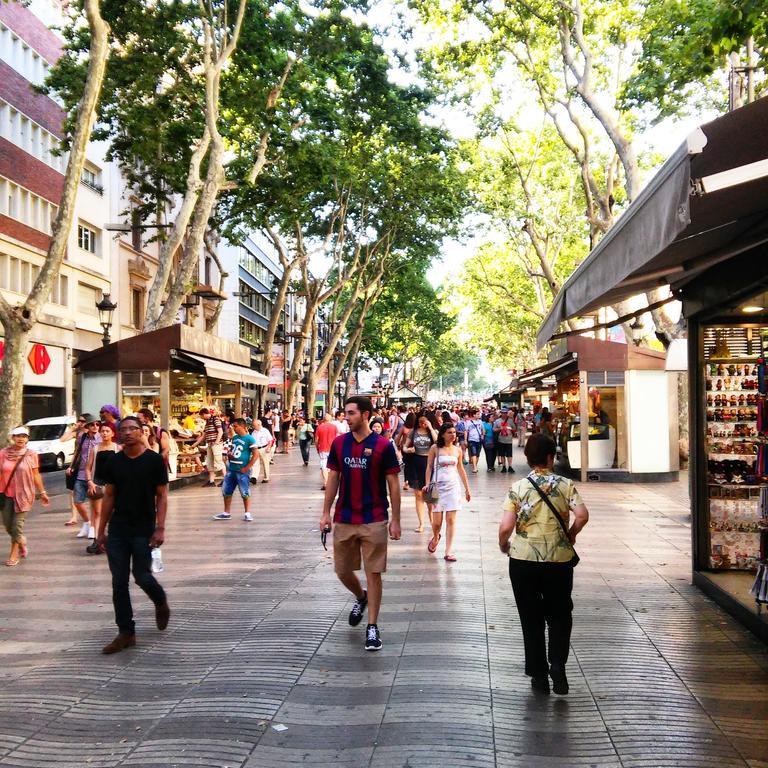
column 543, row 596
column 490, row 455
column 121, row 548
column 304, row 446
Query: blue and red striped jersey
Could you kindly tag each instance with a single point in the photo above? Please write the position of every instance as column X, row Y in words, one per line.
column 363, row 468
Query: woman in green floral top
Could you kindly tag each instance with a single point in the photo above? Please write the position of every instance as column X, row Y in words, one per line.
column 539, row 561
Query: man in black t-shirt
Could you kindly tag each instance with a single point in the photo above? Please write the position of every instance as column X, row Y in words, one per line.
column 134, row 505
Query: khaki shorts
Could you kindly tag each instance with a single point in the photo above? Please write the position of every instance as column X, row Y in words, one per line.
column 349, row 541
column 214, row 457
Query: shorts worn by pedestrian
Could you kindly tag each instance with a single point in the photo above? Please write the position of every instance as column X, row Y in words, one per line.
column 236, row 480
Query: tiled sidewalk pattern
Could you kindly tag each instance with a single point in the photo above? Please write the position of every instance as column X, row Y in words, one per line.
column 260, row 669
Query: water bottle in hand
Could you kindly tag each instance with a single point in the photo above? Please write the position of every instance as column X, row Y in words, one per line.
column 157, row 561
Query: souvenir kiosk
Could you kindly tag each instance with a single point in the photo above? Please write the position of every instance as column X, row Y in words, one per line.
column 171, row 371
column 700, row 228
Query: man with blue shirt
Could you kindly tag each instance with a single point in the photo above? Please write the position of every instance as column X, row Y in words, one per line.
column 362, row 467
column 242, row 456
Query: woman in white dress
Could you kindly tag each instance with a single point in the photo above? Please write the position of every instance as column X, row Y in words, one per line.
column 446, row 469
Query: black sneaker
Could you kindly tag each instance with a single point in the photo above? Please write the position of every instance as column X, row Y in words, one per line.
column 356, row 614
column 511, row 469
column 372, row 638
column 559, row 680
column 540, row 685
column 503, row 469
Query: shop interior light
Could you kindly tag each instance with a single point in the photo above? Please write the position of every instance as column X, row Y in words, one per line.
column 156, row 374
column 733, row 176
column 752, row 309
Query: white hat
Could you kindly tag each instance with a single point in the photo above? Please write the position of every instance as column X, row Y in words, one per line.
column 20, row 431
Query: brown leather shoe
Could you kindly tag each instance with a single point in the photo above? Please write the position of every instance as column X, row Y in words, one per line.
column 120, row 643
column 162, row 614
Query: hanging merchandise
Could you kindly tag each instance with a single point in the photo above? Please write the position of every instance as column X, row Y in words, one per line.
column 737, row 455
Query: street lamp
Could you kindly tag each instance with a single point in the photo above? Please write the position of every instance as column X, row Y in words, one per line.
column 106, row 309
column 637, row 330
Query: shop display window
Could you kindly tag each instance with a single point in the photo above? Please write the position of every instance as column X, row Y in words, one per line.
column 607, row 435
column 187, row 393
column 140, row 389
column 736, row 432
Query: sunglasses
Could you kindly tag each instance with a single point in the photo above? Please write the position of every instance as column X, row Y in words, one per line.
column 324, row 537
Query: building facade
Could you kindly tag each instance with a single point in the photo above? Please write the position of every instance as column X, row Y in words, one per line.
column 253, row 274
column 31, row 184
column 121, row 263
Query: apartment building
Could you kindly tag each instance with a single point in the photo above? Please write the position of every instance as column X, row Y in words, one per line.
column 253, row 273
column 119, row 261
column 31, row 183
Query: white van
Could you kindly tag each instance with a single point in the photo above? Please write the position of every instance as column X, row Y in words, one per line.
column 44, row 437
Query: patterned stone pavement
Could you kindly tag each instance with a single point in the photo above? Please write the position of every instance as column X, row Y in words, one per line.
column 259, row 668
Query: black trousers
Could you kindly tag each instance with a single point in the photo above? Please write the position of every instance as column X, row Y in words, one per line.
column 304, row 446
column 490, row 455
column 123, row 548
column 543, row 597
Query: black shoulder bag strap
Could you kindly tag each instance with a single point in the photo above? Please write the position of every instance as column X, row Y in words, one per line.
column 574, row 561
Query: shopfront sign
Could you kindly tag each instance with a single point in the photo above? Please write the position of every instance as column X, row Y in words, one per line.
column 39, row 359
column 43, row 366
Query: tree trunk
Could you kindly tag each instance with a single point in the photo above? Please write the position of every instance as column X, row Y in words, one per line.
column 311, row 372
column 350, row 385
column 12, row 377
column 200, row 196
column 294, row 376
column 18, row 321
column 175, row 238
column 183, row 282
column 288, row 265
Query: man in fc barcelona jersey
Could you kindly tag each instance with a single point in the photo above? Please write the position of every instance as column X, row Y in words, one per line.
column 362, row 466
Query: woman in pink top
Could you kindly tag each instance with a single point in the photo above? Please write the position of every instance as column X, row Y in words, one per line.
column 19, row 477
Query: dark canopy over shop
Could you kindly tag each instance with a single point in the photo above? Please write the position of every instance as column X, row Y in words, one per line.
column 176, row 345
column 704, row 212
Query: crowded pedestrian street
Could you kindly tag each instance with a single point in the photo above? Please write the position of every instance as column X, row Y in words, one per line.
column 259, row 666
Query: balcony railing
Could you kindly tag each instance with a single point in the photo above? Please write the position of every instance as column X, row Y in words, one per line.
column 97, row 188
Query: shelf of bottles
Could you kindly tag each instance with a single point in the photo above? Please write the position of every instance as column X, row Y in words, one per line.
column 737, row 448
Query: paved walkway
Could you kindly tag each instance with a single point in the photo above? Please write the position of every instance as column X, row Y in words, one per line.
column 259, row 667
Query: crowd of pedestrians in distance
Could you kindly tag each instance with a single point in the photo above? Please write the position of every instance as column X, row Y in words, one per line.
column 119, row 479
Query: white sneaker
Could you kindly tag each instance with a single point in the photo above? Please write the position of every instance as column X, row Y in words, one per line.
column 91, row 532
column 248, row 517
column 83, row 531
